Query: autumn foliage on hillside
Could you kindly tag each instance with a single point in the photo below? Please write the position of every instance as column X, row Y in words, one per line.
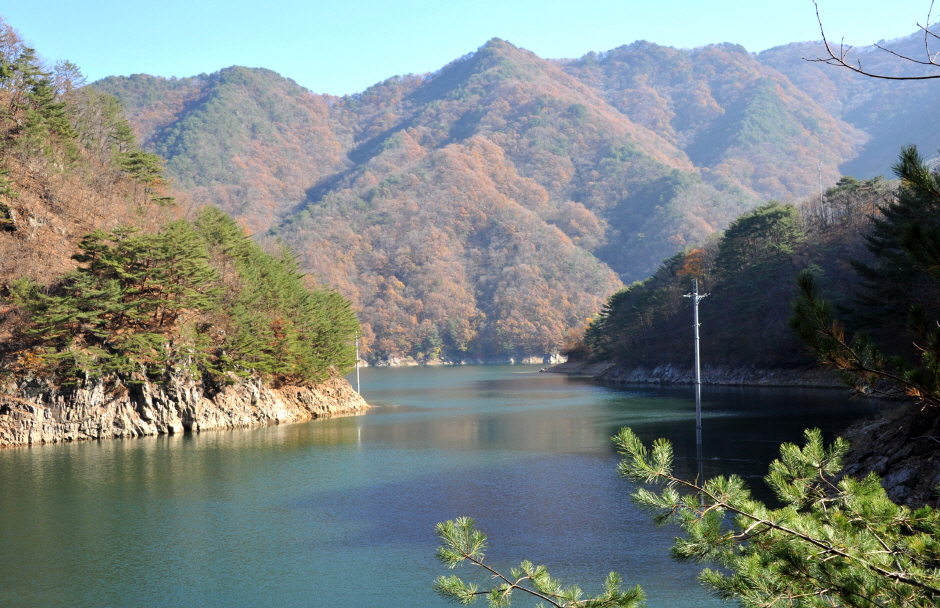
column 485, row 210
column 448, row 257
column 892, row 113
column 68, row 165
column 245, row 140
column 735, row 118
column 101, row 278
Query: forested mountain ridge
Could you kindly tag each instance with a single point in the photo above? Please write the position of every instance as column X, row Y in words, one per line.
column 492, row 200
column 735, row 118
column 748, row 273
column 246, row 140
column 892, row 113
column 502, row 188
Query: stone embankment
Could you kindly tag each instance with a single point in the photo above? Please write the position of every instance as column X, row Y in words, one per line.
column 719, row 375
column 33, row 413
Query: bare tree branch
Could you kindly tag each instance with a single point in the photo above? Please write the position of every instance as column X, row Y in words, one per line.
column 841, row 59
column 927, row 32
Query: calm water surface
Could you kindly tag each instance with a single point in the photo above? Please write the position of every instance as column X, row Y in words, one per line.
column 341, row 512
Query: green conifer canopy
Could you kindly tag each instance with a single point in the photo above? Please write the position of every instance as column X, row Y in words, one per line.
column 833, row 542
column 197, row 294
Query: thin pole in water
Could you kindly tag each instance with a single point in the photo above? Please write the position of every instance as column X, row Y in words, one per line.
column 696, row 298
column 357, row 364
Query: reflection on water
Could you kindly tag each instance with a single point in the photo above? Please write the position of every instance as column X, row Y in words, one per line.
column 299, row 515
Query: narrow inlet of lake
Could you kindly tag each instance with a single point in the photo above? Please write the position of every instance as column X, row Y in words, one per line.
column 341, row 512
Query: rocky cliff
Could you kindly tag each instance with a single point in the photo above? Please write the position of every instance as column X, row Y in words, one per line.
column 34, row 412
column 903, row 448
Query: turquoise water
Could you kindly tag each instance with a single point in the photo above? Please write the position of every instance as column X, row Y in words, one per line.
column 341, row 512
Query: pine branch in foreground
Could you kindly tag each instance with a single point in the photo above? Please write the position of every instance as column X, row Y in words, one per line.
column 834, row 542
column 464, row 543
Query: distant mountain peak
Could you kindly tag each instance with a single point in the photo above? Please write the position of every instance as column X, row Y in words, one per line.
column 488, row 207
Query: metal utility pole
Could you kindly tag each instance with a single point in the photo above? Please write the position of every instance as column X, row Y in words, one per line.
column 819, row 179
column 357, row 364
column 823, row 214
column 696, row 298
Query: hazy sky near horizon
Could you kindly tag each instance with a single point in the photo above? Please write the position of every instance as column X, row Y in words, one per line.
column 343, row 47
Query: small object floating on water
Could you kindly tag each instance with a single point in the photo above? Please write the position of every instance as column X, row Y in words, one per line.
column 544, row 369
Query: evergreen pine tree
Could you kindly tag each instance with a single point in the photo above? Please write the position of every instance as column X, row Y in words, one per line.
column 277, row 326
column 834, row 542
column 45, row 114
column 762, row 235
column 901, row 291
column 463, row 543
column 146, row 169
column 895, row 280
column 223, row 303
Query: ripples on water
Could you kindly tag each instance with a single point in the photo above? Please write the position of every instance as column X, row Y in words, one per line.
column 341, row 512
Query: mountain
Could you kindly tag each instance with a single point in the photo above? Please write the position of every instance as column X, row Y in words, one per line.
column 734, row 117
column 245, row 140
column 487, row 209
column 891, row 113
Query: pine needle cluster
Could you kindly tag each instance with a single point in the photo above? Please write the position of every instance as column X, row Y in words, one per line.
column 464, row 543
column 834, row 542
column 903, row 284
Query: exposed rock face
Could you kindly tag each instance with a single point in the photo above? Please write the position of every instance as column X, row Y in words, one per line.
column 33, row 412
column 581, row 368
column 720, row 375
column 903, row 448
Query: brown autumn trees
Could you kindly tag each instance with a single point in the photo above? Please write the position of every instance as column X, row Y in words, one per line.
column 478, row 212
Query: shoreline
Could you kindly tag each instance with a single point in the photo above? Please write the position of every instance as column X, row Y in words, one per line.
column 713, row 375
column 33, row 416
column 551, row 359
column 886, row 445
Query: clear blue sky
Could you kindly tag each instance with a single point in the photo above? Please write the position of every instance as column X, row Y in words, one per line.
column 341, row 47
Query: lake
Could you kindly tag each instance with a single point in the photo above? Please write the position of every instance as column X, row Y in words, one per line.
column 341, row 512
